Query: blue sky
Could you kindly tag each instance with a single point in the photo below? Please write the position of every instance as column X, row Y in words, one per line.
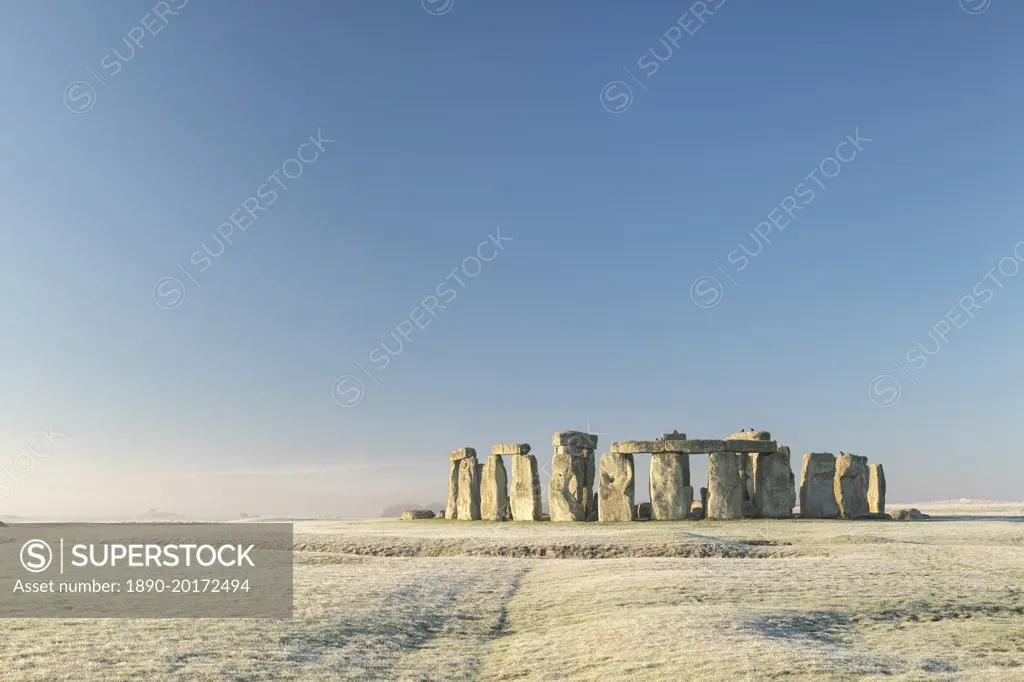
column 444, row 128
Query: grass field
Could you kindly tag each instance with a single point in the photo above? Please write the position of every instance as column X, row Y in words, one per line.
column 442, row 600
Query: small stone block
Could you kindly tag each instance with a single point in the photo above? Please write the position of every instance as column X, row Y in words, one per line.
column 675, row 435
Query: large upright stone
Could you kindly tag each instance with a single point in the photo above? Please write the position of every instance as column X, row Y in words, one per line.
column 668, row 482
column 565, row 495
column 526, row 492
column 703, row 503
column 876, row 489
column 748, row 465
column 784, row 449
column 684, row 458
column 817, row 486
column 455, row 458
column 451, row 510
column 469, row 490
column 725, row 486
column 589, row 474
column 851, row 486
column 770, row 484
column 615, row 489
column 494, row 490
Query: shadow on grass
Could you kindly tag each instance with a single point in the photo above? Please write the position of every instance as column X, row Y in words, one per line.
column 815, row 627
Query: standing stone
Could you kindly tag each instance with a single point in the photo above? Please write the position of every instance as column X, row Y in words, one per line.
column 851, row 486
column 592, row 509
column 455, row 457
column 725, row 486
column 589, row 466
column 469, row 490
column 817, row 486
column 526, row 493
column 643, row 511
column 784, row 449
column 565, row 495
column 684, row 462
column 668, row 480
column 748, row 465
column 770, row 484
column 876, row 489
column 687, row 495
column 451, row 510
column 615, row 491
column 494, row 490
column 704, row 503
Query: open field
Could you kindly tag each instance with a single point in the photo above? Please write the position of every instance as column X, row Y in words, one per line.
column 442, row 600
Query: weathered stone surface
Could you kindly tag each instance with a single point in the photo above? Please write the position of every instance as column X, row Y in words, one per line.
column 643, row 511
column 592, row 509
column 725, row 486
column 441, row 514
column 851, row 486
column 670, row 474
column 469, row 490
column 565, row 495
column 451, row 510
column 675, row 435
column 876, row 489
column 817, row 486
column 750, row 435
column 462, row 453
column 704, row 499
column 571, row 450
column 526, row 492
column 589, row 471
column 575, row 438
column 494, row 490
column 770, row 485
column 691, row 447
column 615, row 490
column 511, row 449
column 414, row 514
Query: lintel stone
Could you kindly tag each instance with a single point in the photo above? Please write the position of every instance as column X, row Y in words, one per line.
column 575, row 438
column 511, row 449
column 462, row 453
column 691, row 447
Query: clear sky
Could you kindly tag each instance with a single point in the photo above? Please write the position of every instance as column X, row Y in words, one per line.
column 628, row 152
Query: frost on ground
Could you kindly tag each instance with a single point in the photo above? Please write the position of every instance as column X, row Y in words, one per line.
column 442, row 600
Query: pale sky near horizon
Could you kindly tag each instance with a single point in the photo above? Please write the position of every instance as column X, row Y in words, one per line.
column 457, row 223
